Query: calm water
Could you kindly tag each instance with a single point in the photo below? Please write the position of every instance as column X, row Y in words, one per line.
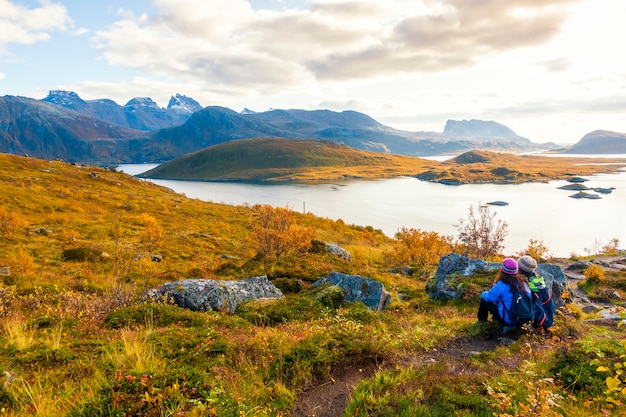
column 535, row 211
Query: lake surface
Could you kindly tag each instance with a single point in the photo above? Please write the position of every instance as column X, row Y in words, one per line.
column 536, row 210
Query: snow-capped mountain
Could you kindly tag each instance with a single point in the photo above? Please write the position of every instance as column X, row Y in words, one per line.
column 183, row 104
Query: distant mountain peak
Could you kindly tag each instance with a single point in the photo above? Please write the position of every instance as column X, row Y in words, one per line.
column 183, row 104
column 600, row 142
column 68, row 99
column 478, row 128
column 142, row 102
column 247, row 111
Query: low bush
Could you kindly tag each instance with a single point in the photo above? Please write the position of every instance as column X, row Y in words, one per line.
column 298, row 308
column 594, row 273
column 159, row 315
column 81, row 254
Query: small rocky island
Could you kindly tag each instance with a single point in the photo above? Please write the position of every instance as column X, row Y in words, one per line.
column 576, row 184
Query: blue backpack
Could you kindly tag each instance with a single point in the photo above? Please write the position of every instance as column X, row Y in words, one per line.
column 522, row 309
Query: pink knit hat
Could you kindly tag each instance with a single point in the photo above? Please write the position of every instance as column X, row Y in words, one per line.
column 509, row 266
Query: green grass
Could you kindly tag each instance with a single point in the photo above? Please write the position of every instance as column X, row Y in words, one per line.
column 76, row 338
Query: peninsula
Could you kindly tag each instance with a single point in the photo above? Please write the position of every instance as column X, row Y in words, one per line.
column 278, row 160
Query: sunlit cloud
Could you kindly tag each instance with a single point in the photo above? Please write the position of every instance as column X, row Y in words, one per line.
column 230, row 44
column 21, row 25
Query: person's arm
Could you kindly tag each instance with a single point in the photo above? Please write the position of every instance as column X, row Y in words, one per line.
column 494, row 293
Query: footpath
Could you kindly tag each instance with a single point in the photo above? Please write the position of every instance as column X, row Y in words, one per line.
column 329, row 398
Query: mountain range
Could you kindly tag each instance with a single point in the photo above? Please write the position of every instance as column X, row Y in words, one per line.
column 62, row 125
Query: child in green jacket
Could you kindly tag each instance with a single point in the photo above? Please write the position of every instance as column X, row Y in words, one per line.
column 544, row 305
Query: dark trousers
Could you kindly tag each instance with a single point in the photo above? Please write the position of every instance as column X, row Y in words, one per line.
column 485, row 308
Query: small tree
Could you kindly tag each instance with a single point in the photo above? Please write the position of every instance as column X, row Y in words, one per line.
column 537, row 250
column 277, row 233
column 481, row 233
column 121, row 293
column 152, row 232
column 419, row 249
column 611, row 248
column 8, row 223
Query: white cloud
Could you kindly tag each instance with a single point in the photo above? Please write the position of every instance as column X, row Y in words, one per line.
column 230, row 45
column 22, row 25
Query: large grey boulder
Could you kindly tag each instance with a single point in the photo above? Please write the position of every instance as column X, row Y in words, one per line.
column 556, row 282
column 209, row 295
column 459, row 266
column 356, row 288
column 453, row 264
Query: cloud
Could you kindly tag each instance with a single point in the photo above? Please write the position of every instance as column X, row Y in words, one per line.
column 556, row 64
column 22, row 25
column 230, row 45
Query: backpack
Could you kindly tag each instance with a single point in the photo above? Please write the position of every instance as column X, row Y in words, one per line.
column 522, row 309
column 544, row 306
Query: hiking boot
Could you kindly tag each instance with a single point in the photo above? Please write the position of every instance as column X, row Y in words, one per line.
column 507, row 329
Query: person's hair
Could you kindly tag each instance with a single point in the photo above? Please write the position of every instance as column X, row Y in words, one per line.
column 516, row 280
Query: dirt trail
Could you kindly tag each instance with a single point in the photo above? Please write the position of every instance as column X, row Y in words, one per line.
column 329, row 398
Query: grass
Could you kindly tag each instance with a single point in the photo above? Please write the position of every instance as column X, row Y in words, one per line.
column 274, row 159
column 76, row 339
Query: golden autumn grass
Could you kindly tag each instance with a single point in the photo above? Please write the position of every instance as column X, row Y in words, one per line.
column 313, row 161
column 77, row 340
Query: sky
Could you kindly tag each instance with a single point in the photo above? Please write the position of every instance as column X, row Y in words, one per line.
column 551, row 70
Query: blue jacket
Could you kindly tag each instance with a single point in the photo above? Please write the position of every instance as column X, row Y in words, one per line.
column 501, row 294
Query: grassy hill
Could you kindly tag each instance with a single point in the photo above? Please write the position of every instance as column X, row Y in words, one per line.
column 285, row 159
column 307, row 160
column 76, row 338
column 491, row 167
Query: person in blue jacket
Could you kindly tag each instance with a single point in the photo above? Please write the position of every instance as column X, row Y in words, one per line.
column 498, row 299
column 544, row 305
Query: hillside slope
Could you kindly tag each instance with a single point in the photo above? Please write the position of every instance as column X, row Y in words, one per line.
column 79, row 339
column 278, row 159
column 45, row 130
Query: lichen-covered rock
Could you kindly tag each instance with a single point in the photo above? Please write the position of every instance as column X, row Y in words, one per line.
column 356, row 288
column 455, row 265
column 337, row 250
column 330, row 296
column 556, row 282
column 210, row 295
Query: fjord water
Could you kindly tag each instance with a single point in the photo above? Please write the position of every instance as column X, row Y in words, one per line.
column 538, row 211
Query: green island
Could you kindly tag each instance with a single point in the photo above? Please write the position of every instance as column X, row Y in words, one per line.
column 275, row 160
column 78, row 337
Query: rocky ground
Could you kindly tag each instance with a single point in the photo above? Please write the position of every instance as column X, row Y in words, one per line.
column 328, row 398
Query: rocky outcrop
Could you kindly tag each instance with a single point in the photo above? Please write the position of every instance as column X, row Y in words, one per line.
column 582, row 194
column 459, row 266
column 356, row 288
column 339, row 251
column 209, row 295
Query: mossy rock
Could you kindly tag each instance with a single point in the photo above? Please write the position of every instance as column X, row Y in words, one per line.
column 330, row 296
